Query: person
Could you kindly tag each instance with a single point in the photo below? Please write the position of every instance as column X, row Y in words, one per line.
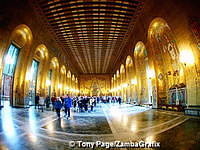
column 119, row 100
column 85, row 103
column 62, row 99
column 98, row 99
column 41, row 103
column 47, row 101
column 37, row 98
column 95, row 101
column 91, row 103
column 67, row 105
column 53, row 99
column 58, row 105
column 74, row 103
column 80, row 104
column 113, row 99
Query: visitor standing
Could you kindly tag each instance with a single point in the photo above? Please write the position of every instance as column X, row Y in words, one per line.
column 37, row 98
column 47, row 101
column 119, row 100
column 41, row 103
column 91, row 103
column 67, row 105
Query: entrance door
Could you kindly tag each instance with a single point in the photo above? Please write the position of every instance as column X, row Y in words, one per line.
column 33, row 81
column 10, row 62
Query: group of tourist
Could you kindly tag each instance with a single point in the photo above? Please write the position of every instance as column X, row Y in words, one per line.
column 57, row 104
column 79, row 103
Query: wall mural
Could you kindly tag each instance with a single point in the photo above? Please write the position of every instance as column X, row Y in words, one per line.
column 141, row 62
column 96, row 85
column 166, row 61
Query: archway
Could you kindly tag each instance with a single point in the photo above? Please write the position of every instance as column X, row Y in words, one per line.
column 73, row 85
column 53, row 77
column 143, row 74
column 123, row 83
column 112, row 86
column 69, row 81
column 166, row 61
column 12, row 79
column 129, row 78
column 62, row 82
column 118, row 82
column 35, row 75
column 76, row 85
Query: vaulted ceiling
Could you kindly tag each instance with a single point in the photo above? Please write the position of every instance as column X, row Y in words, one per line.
column 92, row 31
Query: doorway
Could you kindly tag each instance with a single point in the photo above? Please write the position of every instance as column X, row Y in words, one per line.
column 10, row 62
column 49, row 82
column 33, row 81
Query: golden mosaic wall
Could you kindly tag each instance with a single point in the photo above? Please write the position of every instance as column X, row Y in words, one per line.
column 94, row 84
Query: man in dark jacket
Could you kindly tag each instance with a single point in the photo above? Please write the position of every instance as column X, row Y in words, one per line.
column 67, row 105
column 120, row 100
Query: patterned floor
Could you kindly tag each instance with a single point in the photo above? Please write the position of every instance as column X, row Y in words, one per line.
column 33, row 129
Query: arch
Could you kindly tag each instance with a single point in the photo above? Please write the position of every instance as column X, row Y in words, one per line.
column 55, row 63
column 114, row 77
column 114, row 85
column 17, row 52
column 117, row 74
column 36, row 71
column 140, row 50
column 69, row 81
column 123, row 83
column 41, row 52
column 141, row 65
column 54, row 71
column 22, row 35
column 167, row 67
column 129, row 77
column 73, row 85
column 76, row 85
column 122, row 69
column 73, row 77
column 69, row 74
column 118, row 82
column 62, row 83
column 63, row 70
column 129, row 61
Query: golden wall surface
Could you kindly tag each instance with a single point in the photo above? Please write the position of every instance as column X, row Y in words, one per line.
column 95, row 85
column 21, row 26
column 170, row 32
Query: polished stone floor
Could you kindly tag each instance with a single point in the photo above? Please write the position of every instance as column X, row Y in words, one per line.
column 24, row 129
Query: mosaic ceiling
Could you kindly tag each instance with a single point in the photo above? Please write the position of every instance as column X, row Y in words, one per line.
column 92, row 31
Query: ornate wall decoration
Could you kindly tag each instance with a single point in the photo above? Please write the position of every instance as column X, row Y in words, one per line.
column 160, row 76
column 95, row 84
column 166, row 56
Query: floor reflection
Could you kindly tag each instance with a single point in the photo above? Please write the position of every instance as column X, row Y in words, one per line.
column 8, row 125
column 9, row 129
column 32, row 121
